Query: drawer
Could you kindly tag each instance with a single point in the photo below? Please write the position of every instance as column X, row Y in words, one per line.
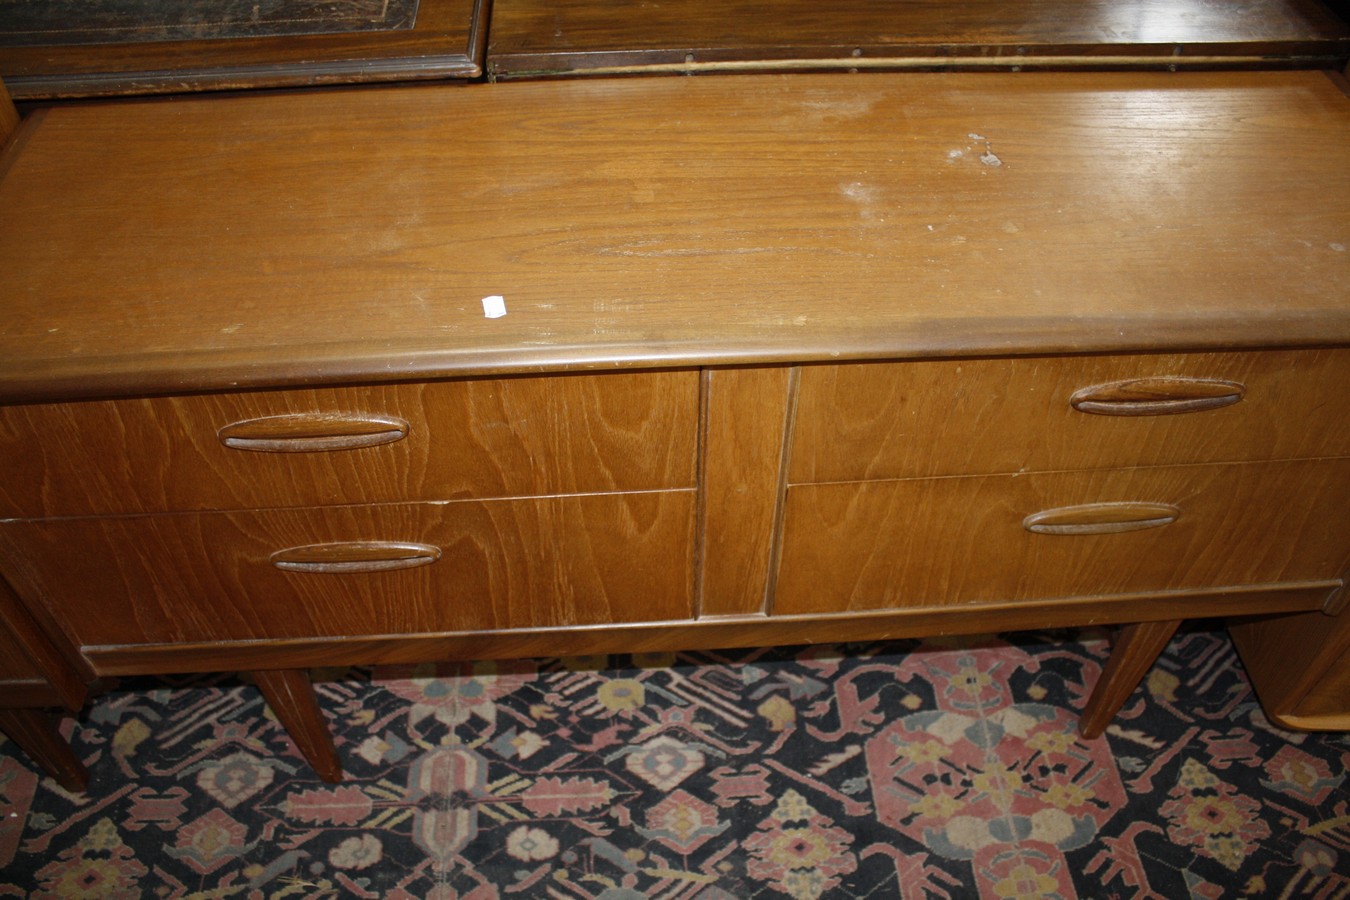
column 467, row 565
column 985, row 416
column 509, row 437
column 937, row 541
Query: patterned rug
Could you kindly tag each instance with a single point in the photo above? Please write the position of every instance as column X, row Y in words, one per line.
column 880, row 770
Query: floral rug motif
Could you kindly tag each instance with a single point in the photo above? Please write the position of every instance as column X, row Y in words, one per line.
column 942, row 770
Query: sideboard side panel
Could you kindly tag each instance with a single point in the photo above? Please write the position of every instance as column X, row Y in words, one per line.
column 46, row 657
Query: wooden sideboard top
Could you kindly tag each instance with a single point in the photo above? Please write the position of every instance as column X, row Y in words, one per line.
column 446, row 40
column 532, row 38
column 158, row 247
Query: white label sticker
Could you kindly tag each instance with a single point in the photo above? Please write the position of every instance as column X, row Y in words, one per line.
column 494, row 307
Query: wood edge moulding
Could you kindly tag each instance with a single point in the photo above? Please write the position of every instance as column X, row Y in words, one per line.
column 529, row 66
column 712, row 633
column 1310, row 723
column 206, row 373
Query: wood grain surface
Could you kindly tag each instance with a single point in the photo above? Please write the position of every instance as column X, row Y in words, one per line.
column 552, row 37
column 466, row 438
column 871, row 545
column 279, row 240
column 968, row 417
column 577, row 560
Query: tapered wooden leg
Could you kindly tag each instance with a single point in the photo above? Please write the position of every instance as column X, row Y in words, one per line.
column 1135, row 650
column 9, row 116
column 291, row 697
column 34, row 730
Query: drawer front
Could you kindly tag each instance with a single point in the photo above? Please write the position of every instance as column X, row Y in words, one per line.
column 976, row 417
column 509, row 437
column 396, row 569
column 921, row 542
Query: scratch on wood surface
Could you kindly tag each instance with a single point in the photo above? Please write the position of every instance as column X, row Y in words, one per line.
column 638, row 250
column 866, row 196
column 856, row 190
column 828, row 104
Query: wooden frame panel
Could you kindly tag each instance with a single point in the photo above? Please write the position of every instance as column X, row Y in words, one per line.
column 446, row 42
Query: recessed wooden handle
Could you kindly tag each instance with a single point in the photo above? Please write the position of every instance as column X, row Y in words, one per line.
column 313, row 432
column 355, row 556
column 1159, row 396
column 1101, row 518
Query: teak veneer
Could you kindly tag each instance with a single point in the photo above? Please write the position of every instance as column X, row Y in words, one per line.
column 785, row 358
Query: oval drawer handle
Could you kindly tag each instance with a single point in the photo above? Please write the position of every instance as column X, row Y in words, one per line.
column 1158, row 396
column 313, row 432
column 1101, row 518
column 348, row 557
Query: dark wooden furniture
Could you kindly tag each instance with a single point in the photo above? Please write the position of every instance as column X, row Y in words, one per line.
column 34, row 678
column 550, row 38
column 446, row 42
column 785, row 358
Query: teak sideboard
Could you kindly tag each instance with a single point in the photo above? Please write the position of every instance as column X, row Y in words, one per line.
column 784, row 358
